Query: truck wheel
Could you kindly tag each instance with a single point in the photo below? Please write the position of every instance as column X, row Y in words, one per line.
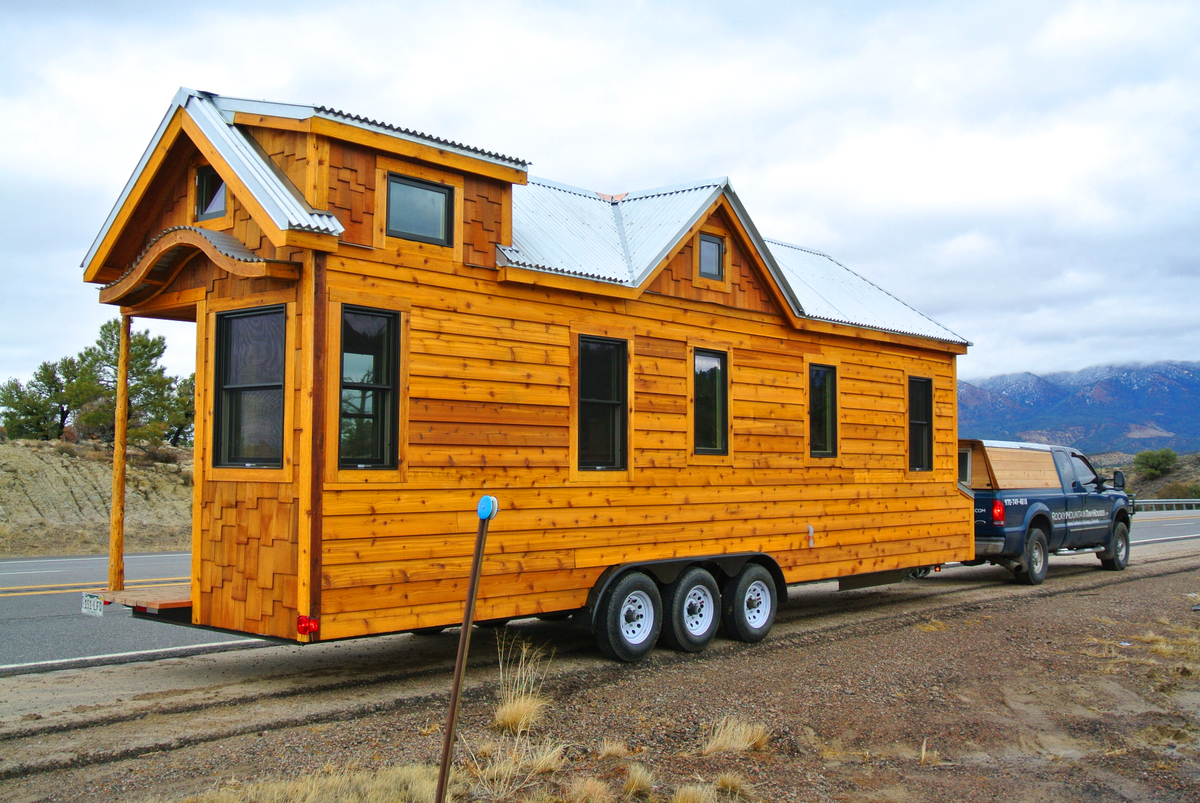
column 748, row 604
column 1116, row 557
column 692, row 608
column 1036, row 558
column 629, row 618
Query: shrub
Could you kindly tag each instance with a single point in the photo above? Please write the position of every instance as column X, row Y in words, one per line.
column 69, row 435
column 3, row 435
column 1180, row 490
column 1153, row 463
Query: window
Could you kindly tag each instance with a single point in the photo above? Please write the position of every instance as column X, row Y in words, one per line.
column 712, row 257
column 210, row 194
column 369, row 401
column 712, row 403
column 602, row 407
column 249, row 372
column 420, row 210
column 1083, row 471
column 964, row 466
column 822, row 410
column 920, row 424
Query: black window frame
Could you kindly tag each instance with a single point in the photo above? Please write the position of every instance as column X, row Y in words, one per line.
column 920, row 433
column 721, row 406
column 831, row 411
column 205, row 175
column 446, row 190
column 615, row 410
column 224, row 395
column 387, row 409
column 720, row 243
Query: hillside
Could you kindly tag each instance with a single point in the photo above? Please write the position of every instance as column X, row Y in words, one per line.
column 1110, row 408
column 55, row 499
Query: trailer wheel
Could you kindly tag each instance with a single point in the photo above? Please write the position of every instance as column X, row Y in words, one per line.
column 692, row 610
column 1036, row 558
column 1116, row 557
column 748, row 604
column 629, row 618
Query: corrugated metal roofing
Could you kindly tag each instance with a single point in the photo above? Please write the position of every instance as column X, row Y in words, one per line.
column 832, row 292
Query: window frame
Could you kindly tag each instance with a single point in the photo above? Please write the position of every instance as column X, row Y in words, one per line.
column 616, row 407
column 447, row 193
column 200, row 173
column 388, row 414
column 220, row 427
column 600, row 476
column 709, row 231
column 703, row 456
column 385, row 166
column 834, row 423
column 912, row 423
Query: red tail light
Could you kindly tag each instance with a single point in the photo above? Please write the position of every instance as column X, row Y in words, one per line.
column 307, row 625
column 998, row 513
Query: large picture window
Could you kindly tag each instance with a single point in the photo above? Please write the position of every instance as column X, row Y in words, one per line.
column 920, row 424
column 711, row 417
column 602, row 403
column 822, row 410
column 369, row 400
column 420, row 210
column 249, row 377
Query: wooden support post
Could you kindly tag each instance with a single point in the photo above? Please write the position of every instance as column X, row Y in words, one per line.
column 116, row 535
column 488, row 507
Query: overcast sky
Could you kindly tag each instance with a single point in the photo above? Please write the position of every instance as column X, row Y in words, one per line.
column 1025, row 173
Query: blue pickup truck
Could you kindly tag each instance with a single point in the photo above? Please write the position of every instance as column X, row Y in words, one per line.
column 1033, row 501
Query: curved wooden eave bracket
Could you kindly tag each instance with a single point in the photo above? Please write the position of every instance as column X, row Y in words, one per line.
column 168, row 253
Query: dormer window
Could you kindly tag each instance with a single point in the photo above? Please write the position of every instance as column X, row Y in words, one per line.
column 420, row 210
column 712, row 257
column 210, row 194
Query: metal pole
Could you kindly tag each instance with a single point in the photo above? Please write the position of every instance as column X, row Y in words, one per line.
column 488, row 507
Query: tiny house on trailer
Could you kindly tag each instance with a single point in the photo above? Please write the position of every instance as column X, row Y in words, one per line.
column 679, row 416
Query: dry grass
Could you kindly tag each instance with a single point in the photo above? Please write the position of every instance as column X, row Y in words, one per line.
column 522, row 672
column 695, row 793
column 613, row 748
column 732, row 735
column 501, row 771
column 411, row 783
column 735, row 786
column 590, row 790
column 932, row 626
column 930, row 757
column 638, row 780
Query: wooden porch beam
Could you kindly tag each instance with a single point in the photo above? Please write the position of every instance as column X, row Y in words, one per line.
column 116, row 534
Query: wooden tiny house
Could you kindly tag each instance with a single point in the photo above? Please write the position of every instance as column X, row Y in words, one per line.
column 389, row 325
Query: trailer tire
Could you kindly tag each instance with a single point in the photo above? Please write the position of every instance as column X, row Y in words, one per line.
column 691, row 610
column 748, row 604
column 629, row 618
column 1036, row 560
column 1116, row 557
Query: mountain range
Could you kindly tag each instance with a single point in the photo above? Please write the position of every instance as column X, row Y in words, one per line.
column 1106, row 408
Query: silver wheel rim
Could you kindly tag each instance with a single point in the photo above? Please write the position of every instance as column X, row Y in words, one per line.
column 637, row 617
column 1037, row 559
column 757, row 604
column 1122, row 548
column 698, row 611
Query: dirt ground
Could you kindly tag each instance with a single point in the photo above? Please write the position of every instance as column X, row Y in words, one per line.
column 1084, row 689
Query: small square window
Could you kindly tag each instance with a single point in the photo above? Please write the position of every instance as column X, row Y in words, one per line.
column 712, row 257
column 210, row 194
column 420, row 210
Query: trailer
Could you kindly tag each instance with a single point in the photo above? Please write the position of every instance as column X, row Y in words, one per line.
column 679, row 417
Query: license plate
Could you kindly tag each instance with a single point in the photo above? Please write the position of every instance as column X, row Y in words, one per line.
column 93, row 605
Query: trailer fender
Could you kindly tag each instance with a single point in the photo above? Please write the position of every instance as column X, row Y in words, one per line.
column 665, row 572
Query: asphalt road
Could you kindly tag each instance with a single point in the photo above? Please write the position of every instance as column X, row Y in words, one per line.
column 40, row 600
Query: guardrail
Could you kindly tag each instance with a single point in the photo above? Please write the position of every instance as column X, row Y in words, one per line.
column 1166, row 504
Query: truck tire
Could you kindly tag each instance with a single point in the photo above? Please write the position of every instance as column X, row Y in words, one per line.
column 748, row 604
column 1116, row 557
column 629, row 618
column 1036, row 558
column 692, row 610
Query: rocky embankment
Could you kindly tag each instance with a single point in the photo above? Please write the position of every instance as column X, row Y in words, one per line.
column 55, row 499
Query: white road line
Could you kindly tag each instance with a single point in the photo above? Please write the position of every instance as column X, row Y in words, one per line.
column 130, row 655
column 128, row 558
column 43, row 571
column 1171, row 538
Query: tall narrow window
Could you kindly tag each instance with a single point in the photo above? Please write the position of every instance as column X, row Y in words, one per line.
column 369, row 394
column 249, row 375
column 712, row 257
column 712, row 403
column 420, row 210
column 920, row 424
column 822, row 410
column 210, row 194
column 602, row 414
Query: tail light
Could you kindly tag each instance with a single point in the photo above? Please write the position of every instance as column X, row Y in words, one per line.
column 998, row 512
column 307, row 625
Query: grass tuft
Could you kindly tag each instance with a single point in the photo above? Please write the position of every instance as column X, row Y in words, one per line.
column 732, row 735
column 932, row 626
column 734, row 785
column 613, row 748
column 694, row 793
column 522, row 672
column 929, row 756
column 411, row 783
column 590, row 790
column 638, row 780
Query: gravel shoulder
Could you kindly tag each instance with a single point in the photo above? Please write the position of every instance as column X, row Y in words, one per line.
column 1083, row 689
